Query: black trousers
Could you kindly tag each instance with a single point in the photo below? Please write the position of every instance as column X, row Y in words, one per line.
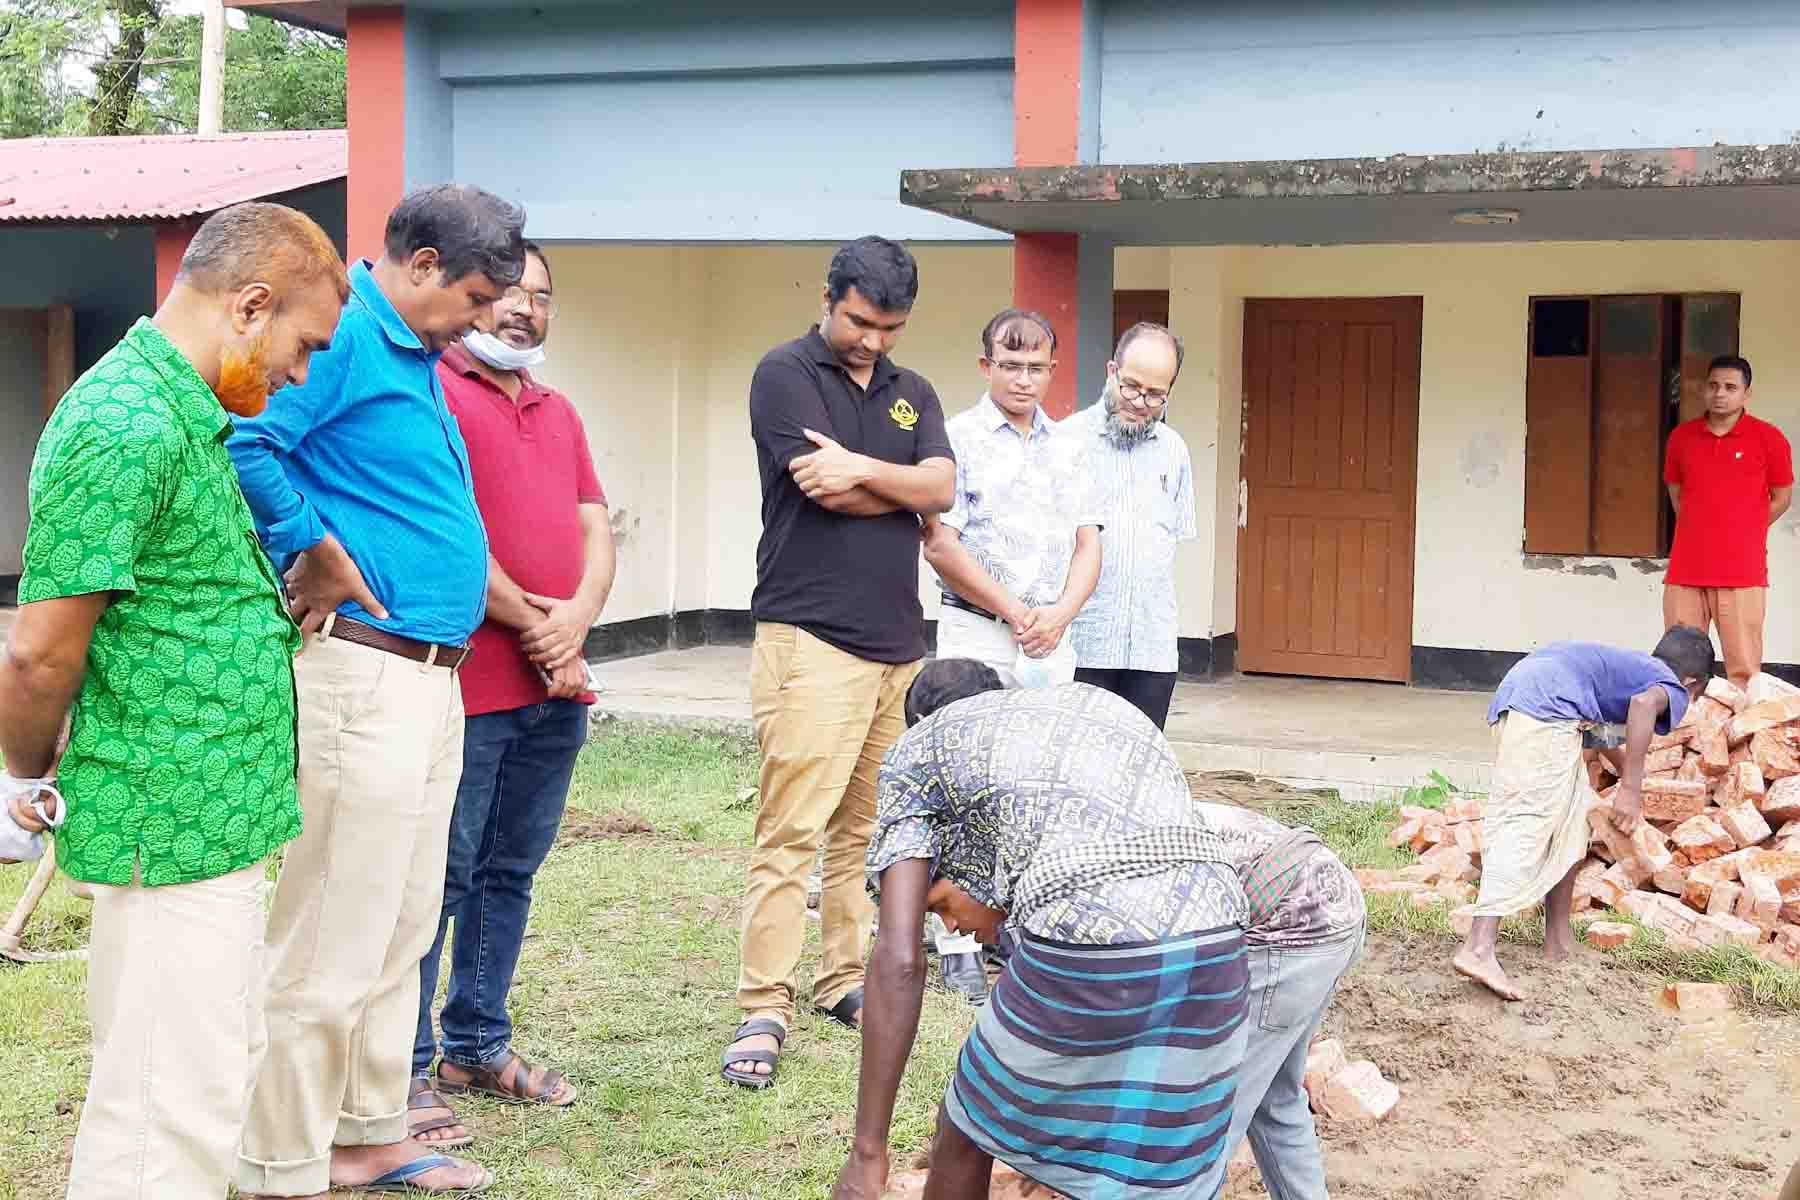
column 1151, row 691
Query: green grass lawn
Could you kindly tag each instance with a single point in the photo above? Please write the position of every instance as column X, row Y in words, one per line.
column 626, row 985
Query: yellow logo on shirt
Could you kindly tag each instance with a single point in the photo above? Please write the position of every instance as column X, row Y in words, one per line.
column 904, row 414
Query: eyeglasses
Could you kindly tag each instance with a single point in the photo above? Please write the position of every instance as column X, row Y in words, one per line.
column 1032, row 371
column 1134, row 394
column 542, row 303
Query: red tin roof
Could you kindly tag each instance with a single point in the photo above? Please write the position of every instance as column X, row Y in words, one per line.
column 160, row 178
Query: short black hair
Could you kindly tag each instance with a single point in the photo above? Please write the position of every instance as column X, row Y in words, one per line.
column 1142, row 329
column 1688, row 652
column 533, row 248
column 473, row 232
column 883, row 271
column 945, row 681
column 1731, row 362
column 1011, row 328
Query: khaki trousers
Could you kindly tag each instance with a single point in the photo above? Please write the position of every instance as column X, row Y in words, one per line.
column 356, row 907
column 825, row 719
column 1737, row 612
column 174, row 993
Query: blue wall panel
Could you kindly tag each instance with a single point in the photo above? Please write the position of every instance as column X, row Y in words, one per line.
column 789, row 157
column 1229, row 80
column 693, row 121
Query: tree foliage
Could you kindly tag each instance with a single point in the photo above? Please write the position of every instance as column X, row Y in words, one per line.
column 111, row 67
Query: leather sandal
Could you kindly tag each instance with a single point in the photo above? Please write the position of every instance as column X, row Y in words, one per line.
column 420, row 1097
column 846, row 1012
column 753, row 1079
column 549, row 1088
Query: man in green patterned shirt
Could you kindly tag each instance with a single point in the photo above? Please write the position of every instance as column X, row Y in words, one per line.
column 149, row 607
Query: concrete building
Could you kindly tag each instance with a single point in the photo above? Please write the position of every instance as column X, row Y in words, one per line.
column 1445, row 271
column 92, row 231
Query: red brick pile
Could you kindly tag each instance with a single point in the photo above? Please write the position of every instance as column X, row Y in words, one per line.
column 1716, row 859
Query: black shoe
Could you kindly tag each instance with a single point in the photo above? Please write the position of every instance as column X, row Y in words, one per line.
column 964, row 975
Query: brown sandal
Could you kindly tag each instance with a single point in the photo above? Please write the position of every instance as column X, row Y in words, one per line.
column 489, row 1081
column 420, row 1096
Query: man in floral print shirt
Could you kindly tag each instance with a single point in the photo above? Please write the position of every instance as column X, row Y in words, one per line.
column 1019, row 552
column 147, row 605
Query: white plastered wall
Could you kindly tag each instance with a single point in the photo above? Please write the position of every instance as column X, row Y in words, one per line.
column 656, row 346
column 1474, row 588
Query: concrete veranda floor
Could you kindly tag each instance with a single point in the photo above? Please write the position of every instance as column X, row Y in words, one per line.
column 1364, row 739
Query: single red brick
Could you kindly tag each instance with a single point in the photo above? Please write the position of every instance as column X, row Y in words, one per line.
column 1724, row 898
column 1761, row 902
column 1715, row 752
column 1764, row 686
column 1781, row 803
column 1672, row 799
column 1718, row 929
column 1607, row 935
column 1587, row 879
column 1706, row 713
column 1745, row 825
column 1405, row 832
column 1782, row 866
column 1468, row 837
column 1358, row 1093
column 1323, row 1060
column 1698, row 997
column 1774, row 755
column 1616, row 883
column 1671, row 879
column 1701, row 838
column 1764, row 715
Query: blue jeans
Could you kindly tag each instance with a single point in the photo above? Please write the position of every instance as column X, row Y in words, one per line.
column 516, row 770
column 1290, row 990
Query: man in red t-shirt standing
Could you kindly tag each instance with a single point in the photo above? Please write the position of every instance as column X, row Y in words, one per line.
column 550, row 567
column 1730, row 477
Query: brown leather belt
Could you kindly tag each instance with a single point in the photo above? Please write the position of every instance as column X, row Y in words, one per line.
column 432, row 655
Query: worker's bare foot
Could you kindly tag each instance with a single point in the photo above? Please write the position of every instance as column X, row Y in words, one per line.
column 1559, row 944
column 1485, row 970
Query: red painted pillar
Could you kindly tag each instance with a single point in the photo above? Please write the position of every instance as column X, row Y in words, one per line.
column 172, row 238
column 1047, row 54
column 375, row 109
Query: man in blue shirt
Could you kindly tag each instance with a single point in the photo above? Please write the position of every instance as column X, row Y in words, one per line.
column 361, row 490
column 1535, row 830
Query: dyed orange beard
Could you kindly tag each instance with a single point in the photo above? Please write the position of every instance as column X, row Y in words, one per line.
column 243, row 387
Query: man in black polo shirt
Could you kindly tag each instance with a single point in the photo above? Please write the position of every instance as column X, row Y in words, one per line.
column 851, row 449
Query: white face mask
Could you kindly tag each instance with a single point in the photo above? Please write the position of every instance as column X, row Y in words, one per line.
column 16, row 845
column 500, row 356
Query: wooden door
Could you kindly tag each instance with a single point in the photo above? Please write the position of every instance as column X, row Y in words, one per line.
column 1131, row 306
column 1330, row 470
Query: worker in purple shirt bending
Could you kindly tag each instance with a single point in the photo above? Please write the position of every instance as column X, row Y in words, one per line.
column 1535, row 830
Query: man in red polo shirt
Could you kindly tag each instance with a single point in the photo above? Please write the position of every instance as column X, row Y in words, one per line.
column 1730, row 477
column 550, row 567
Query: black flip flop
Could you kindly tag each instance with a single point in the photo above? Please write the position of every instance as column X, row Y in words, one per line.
column 846, row 1011
column 751, row 1079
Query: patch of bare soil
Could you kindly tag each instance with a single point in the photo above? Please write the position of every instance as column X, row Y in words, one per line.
column 601, row 827
column 1589, row 1089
